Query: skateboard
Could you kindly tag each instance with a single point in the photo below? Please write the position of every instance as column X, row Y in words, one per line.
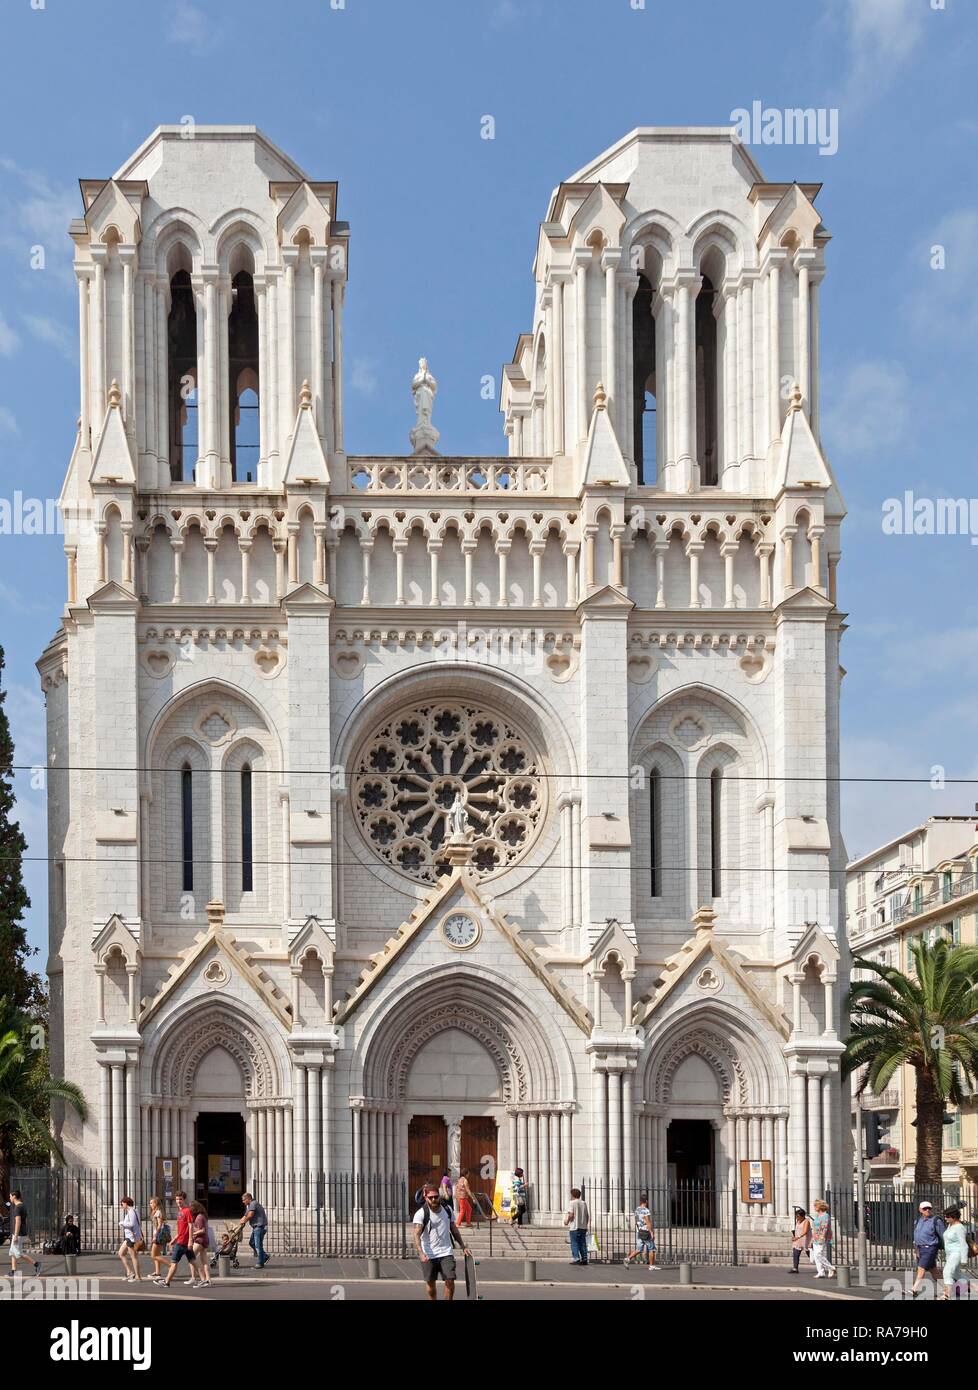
column 471, row 1278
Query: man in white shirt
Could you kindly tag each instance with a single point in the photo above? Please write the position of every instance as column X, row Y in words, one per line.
column 435, row 1233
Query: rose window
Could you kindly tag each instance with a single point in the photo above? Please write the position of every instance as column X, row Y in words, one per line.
column 410, row 770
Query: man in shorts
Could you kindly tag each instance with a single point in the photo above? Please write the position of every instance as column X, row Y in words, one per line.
column 182, row 1245
column 20, row 1235
column 435, row 1233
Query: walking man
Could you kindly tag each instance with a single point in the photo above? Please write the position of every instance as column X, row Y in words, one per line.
column 256, row 1215
column 927, row 1236
column 577, row 1218
column 183, row 1244
column 20, row 1235
column 435, row 1233
column 644, row 1250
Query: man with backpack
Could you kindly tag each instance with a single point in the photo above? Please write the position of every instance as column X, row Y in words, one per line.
column 435, row 1233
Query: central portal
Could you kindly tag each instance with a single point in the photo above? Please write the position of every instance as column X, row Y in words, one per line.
column 220, row 1162
column 689, row 1154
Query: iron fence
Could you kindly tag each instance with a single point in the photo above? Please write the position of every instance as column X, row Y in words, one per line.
column 694, row 1221
column 891, row 1214
column 314, row 1214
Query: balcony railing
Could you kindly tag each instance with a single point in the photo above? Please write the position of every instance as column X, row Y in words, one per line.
column 508, row 476
column 958, row 889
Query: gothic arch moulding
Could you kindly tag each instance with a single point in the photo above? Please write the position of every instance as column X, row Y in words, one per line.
column 194, row 1031
column 529, row 1053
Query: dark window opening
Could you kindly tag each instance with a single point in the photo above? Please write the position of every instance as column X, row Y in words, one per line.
column 716, row 787
column 181, row 334
column 655, row 833
column 244, row 386
column 247, row 881
column 187, row 813
column 706, row 385
column 643, row 383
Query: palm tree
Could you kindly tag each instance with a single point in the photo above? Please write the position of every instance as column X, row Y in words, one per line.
column 928, row 1020
column 26, row 1092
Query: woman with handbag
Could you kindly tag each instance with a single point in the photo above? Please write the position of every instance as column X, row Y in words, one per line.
column 160, row 1237
column 200, row 1244
column 132, row 1241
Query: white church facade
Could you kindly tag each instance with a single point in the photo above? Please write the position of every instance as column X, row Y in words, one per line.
column 425, row 810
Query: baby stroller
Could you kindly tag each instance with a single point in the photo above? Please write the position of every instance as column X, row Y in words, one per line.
column 229, row 1245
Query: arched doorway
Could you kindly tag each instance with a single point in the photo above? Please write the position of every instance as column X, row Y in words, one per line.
column 214, row 1081
column 460, row 1072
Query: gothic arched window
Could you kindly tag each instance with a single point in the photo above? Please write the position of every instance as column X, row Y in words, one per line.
column 187, row 826
column 243, row 393
column 716, row 831
column 181, row 337
column 655, row 833
column 247, row 866
column 644, row 386
column 706, row 385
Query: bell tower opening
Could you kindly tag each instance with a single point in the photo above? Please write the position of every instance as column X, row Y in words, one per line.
column 243, row 394
column 182, row 379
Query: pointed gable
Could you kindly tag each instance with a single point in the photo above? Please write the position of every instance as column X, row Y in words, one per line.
column 191, row 965
column 702, row 947
column 458, row 887
column 800, row 462
column 604, row 464
column 306, row 462
column 113, row 463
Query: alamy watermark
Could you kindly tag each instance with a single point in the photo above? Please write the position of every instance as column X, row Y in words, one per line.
column 910, row 515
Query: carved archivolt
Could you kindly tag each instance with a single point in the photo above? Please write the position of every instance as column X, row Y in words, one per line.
column 479, row 1025
column 716, row 1052
column 210, row 1028
column 409, row 771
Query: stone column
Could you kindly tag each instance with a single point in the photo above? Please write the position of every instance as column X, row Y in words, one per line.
column 99, row 255
column 104, row 1117
column 815, row 1169
column 557, row 357
column 314, row 1094
column 582, row 260
column 609, row 264
column 85, row 404
column 566, row 1154
column 287, row 337
column 161, row 301
column 781, row 1169
column 774, row 349
column 338, row 361
column 628, row 1130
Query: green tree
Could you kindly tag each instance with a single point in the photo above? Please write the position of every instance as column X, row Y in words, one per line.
column 927, row 1020
column 26, row 1092
column 18, row 985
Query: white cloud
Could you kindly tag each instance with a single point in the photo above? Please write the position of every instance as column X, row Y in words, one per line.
column 363, row 378
column 880, row 35
column 944, row 301
column 189, row 26
column 50, row 331
column 25, row 708
column 868, row 407
column 8, row 422
column 33, row 213
column 9, row 342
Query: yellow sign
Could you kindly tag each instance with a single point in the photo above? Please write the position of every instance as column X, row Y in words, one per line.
column 502, row 1197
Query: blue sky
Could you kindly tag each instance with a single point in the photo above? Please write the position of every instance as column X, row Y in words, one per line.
column 387, row 98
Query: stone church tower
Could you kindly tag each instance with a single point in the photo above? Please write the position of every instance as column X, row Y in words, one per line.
column 416, row 808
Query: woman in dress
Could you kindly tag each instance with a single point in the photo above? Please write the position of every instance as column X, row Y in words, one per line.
column 955, row 1251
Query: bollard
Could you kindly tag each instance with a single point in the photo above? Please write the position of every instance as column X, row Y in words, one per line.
column 71, row 1266
column 842, row 1275
column 529, row 1271
column 224, row 1266
column 373, row 1267
column 685, row 1273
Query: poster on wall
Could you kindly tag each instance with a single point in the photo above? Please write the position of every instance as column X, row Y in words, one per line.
column 166, row 1178
column 755, row 1180
column 224, row 1173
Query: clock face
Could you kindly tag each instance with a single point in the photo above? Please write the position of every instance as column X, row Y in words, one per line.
column 460, row 930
